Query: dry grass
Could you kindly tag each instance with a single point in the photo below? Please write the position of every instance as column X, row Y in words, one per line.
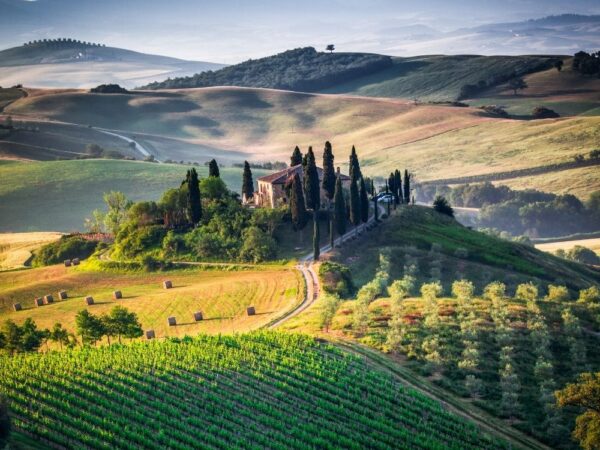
column 16, row 248
column 222, row 297
column 551, row 247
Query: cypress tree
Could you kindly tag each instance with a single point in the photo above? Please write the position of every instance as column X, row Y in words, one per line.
column 354, row 203
column 316, row 237
column 354, row 165
column 331, row 230
column 194, row 201
column 406, row 186
column 213, row 169
column 364, row 202
column 339, row 205
column 296, row 157
column 312, row 190
column 375, row 209
column 247, row 182
column 398, row 184
column 373, row 188
column 297, row 205
column 305, row 159
column 328, row 171
column 392, row 185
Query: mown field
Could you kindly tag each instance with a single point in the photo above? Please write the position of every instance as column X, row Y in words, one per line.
column 58, row 195
column 259, row 390
column 221, row 294
column 16, row 248
column 592, row 244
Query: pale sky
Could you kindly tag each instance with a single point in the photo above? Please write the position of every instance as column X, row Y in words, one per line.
column 231, row 31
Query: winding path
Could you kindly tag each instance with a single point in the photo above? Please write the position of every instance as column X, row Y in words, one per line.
column 137, row 146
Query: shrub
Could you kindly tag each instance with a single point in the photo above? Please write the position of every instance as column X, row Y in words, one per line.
column 441, row 205
column 540, row 112
column 132, row 241
column 527, row 292
column 258, row 246
column 557, row 293
column 336, row 279
column 67, row 247
column 583, row 255
column 109, row 89
column 589, row 295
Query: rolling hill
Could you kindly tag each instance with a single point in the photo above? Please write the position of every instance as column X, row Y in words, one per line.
column 266, row 389
column 62, row 63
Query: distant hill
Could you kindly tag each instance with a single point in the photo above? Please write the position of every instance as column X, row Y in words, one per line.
column 301, row 69
column 72, row 63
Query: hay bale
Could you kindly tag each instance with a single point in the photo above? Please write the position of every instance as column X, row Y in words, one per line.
column 75, row 261
column 150, row 334
column 17, row 307
column 172, row 321
column 48, row 299
column 167, row 284
column 89, row 300
column 62, row 295
column 117, row 295
column 38, row 302
column 67, row 263
column 198, row 316
column 250, row 310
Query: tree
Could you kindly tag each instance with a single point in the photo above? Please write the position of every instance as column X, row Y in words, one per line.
column 364, row 202
column 194, row 207
column 527, row 292
column 5, row 426
column 339, row 207
column 441, row 205
column 59, row 335
column 268, row 219
column 517, row 83
column 117, row 205
column 407, row 178
column 312, row 190
column 316, row 238
column 584, row 394
column 329, row 307
column 89, row 327
column 31, row 337
column 330, row 48
column 393, row 188
column 354, row 203
column 354, row 165
column 296, row 157
column 558, row 64
column 297, row 204
column 12, row 337
column 122, row 323
column 258, row 246
column 247, row 182
column 583, row 255
column 398, row 184
column 213, row 169
column 328, row 171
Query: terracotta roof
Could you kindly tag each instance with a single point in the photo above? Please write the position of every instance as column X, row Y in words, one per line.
column 282, row 176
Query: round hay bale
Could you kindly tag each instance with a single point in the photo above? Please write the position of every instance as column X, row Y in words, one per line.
column 62, row 295
column 250, row 310
column 38, row 302
column 172, row 321
column 67, row 263
column 89, row 300
column 117, row 295
column 167, row 284
column 150, row 334
column 75, row 261
column 48, row 299
column 198, row 316
column 17, row 307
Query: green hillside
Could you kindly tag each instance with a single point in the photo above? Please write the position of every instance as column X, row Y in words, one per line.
column 438, row 77
column 418, row 235
column 260, row 390
column 58, row 195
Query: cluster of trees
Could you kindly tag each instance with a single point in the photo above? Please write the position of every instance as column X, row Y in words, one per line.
column 275, row 165
column 579, row 254
column 531, row 212
column 97, row 151
column 109, row 89
column 67, row 247
column 587, row 63
column 302, row 69
column 61, row 43
column 119, row 323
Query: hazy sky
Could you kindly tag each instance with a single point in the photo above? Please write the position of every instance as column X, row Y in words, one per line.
column 230, row 31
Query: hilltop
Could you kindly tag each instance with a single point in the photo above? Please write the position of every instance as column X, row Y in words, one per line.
column 60, row 63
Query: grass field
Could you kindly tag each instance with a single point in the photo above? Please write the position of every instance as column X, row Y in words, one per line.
column 592, row 244
column 566, row 92
column 58, row 195
column 16, row 248
column 264, row 390
column 221, row 295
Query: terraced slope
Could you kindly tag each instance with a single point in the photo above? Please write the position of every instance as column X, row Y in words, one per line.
column 260, row 390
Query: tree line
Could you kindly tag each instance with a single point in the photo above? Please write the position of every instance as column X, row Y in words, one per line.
column 61, row 42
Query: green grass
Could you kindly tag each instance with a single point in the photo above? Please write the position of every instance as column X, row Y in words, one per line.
column 58, row 195
column 411, row 232
column 8, row 95
column 267, row 390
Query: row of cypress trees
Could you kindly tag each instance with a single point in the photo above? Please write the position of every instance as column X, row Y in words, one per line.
column 400, row 190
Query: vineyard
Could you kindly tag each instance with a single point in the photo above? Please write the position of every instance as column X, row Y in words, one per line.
column 258, row 390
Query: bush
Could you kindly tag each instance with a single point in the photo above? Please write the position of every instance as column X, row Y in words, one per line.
column 336, row 279
column 540, row 112
column 67, row 247
column 589, row 295
column 132, row 241
column 583, row 255
column 109, row 89
column 258, row 246
column 441, row 205
column 557, row 293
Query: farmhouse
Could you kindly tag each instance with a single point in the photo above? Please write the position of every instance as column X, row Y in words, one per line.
column 272, row 190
